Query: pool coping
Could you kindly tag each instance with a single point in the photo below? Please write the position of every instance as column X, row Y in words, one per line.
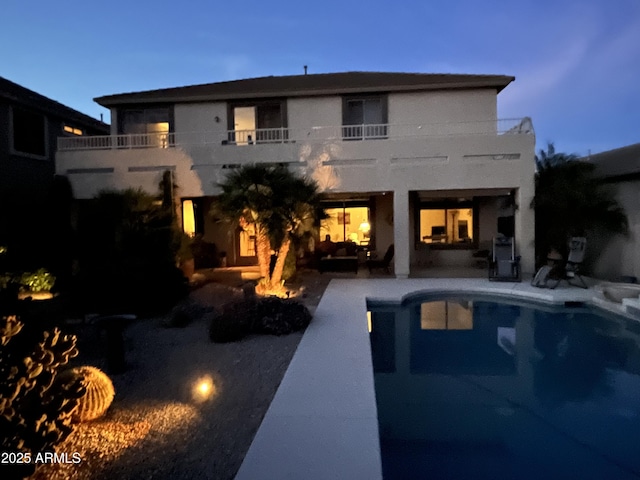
column 322, row 422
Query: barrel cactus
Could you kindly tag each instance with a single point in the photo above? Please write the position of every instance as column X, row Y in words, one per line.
column 99, row 392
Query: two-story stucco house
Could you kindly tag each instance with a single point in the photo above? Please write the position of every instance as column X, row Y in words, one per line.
column 417, row 160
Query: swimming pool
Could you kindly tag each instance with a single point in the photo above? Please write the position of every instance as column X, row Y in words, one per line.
column 480, row 387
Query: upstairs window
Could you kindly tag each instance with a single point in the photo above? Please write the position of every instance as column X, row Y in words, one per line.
column 69, row 130
column 29, row 132
column 152, row 124
column 364, row 118
column 264, row 122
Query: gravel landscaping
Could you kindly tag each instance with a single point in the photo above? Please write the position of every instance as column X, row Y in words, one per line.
column 157, row 426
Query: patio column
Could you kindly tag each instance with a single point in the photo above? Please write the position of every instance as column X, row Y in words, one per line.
column 401, row 232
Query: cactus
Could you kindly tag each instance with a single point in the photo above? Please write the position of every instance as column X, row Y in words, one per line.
column 35, row 405
column 99, row 392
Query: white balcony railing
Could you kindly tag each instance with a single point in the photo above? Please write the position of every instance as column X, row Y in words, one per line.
column 261, row 135
column 102, row 142
column 512, row 126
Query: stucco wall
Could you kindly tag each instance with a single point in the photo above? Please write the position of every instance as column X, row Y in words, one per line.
column 621, row 255
column 306, row 113
column 443, row 107
column 465, row 156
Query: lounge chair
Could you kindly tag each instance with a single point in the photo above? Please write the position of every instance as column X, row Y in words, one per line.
column 577, row 250
column 504, row 265
column 385, row 262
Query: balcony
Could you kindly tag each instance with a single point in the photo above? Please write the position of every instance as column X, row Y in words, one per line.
column 493, row 154
column 512, row 126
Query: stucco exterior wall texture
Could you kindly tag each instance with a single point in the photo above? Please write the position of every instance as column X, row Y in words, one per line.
column 620, row 256
column 426, row 158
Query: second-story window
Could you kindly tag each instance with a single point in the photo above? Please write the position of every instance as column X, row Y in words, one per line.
column 148, row 127
column 262, row 122
column 29, row 132
column 364, row 117
column 71, row 130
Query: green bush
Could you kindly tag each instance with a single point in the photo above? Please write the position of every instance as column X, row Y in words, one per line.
column 129, row 249
column 277, row 316
column 38, row 281
column 269, row 315
column 234, row 323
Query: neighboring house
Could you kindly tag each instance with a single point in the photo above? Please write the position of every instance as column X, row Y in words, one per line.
column 620, row 169
column 30, row 125
column 418, row 160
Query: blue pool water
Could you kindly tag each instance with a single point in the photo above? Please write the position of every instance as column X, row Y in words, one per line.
column 475, row 388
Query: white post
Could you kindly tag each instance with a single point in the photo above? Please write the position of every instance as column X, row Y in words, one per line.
column 401, row 234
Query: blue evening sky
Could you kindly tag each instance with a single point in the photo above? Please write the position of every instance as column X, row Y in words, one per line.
column 576, row 62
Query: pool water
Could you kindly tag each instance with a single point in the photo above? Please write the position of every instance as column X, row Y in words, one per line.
column 475, row 388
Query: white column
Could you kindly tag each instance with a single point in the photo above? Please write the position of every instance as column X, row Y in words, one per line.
column 401, row 232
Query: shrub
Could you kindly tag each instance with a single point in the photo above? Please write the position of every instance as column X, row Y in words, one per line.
column 234, row 323
column 184, row 313
column 277, row 316
column 128, row 262
column 270, row 315
column 35, row 405
column 38, row 281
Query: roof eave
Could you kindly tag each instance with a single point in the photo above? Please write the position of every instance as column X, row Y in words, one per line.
column 143, row 97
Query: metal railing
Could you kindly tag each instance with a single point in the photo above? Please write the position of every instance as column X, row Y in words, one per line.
column 365, row 131
column 261, row 135
column 511, row 126
column 103, row 142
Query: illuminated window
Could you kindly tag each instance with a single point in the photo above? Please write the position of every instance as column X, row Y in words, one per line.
column 258, row 123
column 29, row 132
column 364, row 117
column 188, row 218
column 72, row 130
column 152, row 124
column 446, row 225
column 347, row 224
column 247, row 240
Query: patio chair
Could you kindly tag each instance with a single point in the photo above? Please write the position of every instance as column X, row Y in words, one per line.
column 384, row 263
column 504, row 265
column 577, row 250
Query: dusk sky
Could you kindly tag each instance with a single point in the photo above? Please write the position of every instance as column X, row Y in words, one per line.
column 576, row 63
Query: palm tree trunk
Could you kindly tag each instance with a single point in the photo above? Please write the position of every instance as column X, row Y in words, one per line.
column 263, row 247
column 276, row 277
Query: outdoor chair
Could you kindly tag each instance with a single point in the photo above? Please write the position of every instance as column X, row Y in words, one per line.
column 577, row 250
column 384, row 263
column 504, row 265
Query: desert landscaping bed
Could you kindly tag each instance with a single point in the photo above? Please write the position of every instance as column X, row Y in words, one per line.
column 158, row 427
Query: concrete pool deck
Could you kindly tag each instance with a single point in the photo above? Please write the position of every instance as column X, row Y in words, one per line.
column 322, row 422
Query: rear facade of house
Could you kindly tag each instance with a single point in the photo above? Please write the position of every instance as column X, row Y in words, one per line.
column 420, row 161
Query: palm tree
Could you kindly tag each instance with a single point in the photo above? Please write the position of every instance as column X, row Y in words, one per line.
column 570, row 201
column 278, row 203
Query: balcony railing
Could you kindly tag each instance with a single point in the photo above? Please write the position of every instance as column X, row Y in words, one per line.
column 103, row 142
column 261, row 135
column 512, row 126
